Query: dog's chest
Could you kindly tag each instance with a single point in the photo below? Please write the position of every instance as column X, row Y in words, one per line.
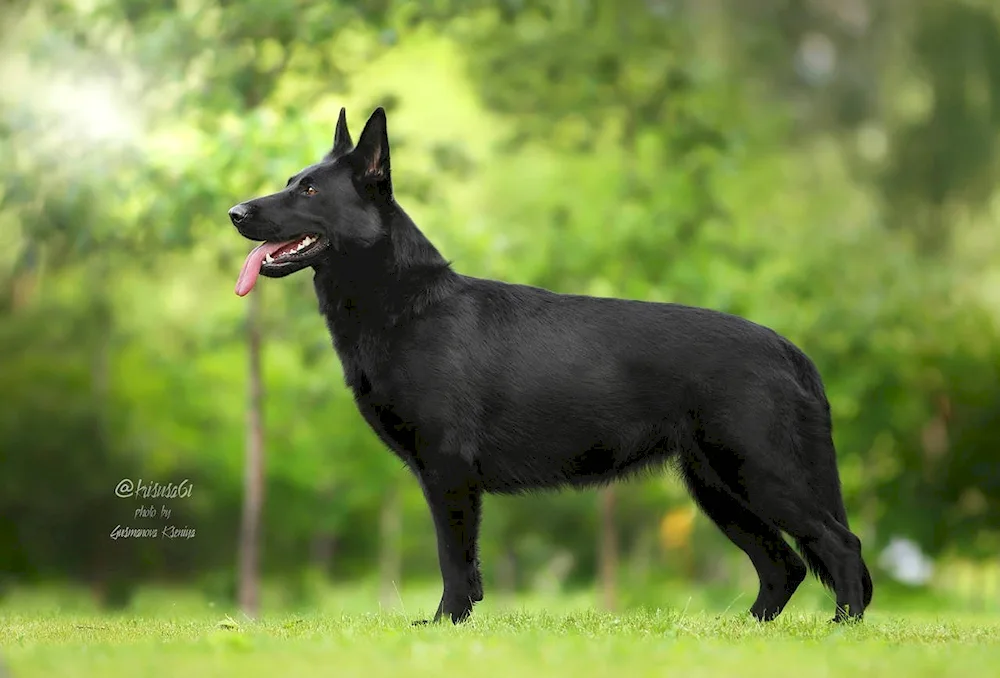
column 395, row 420
column 402, row 393
column 394, row 407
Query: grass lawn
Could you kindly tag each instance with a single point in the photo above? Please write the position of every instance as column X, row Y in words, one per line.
column 512, row 641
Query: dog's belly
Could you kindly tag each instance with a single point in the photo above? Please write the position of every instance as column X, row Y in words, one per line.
column 575, row 453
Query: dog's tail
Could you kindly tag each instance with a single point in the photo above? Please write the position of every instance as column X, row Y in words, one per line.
column 819, row 568
column 822, row 455
column 823, row 458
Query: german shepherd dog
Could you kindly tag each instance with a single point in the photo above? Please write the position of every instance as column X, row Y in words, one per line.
column 485, row 386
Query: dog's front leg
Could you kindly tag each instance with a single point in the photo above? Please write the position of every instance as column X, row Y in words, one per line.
column 455, row 507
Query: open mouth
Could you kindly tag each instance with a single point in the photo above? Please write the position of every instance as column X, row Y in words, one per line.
column 275, row 256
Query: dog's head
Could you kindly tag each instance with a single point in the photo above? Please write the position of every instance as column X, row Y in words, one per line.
column 333, row 205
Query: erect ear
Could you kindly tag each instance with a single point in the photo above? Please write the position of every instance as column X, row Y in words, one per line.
column 342, row 143
column 372, row 152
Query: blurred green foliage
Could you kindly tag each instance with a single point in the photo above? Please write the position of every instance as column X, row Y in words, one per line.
column 828, row 169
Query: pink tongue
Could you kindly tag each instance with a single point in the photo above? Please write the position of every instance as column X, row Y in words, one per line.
column 251, row 267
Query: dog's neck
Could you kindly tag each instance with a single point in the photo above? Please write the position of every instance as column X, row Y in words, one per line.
column 367, row 290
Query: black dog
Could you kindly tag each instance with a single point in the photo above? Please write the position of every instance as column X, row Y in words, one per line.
column 483, row 386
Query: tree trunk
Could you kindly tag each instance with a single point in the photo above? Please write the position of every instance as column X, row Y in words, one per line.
column 321, row 551
column 608, row 548
column 390, row 556
column 253, row 480
column 324, row 539
column 507, row 571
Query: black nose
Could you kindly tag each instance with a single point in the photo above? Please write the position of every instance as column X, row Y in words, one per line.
column 239, row 213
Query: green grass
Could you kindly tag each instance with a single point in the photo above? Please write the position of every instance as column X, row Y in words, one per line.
column 157, row 638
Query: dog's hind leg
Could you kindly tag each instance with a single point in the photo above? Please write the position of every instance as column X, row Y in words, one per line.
column 779, row 568
column 455, row 506
column 793, row 484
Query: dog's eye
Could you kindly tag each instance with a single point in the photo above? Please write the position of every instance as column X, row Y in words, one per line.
column 309, row 189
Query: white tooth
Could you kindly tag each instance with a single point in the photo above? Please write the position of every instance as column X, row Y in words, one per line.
column 268, row 259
